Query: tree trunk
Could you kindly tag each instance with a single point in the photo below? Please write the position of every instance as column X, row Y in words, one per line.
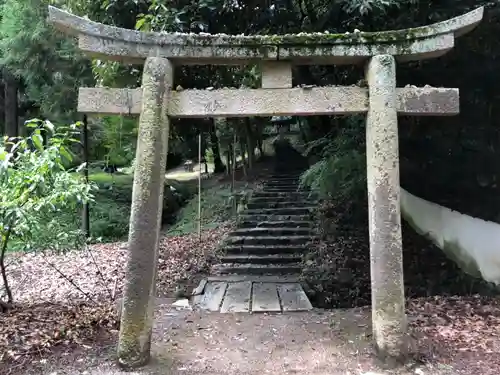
column 11, row 104
column 228, row 162
column 214, row 141
column 258, row 136
column 302, row 131
column 250, row 143
column 243, row 157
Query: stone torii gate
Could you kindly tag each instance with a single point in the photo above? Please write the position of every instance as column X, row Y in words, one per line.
column 156, row 102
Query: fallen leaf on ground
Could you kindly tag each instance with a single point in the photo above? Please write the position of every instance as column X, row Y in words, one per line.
column 64, row 299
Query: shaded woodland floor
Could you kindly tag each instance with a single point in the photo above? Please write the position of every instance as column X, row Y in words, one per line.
column 66, row 321
column 337, row 272
column 320, row 342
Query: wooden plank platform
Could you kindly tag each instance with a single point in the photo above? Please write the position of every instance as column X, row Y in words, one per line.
column 251, row 296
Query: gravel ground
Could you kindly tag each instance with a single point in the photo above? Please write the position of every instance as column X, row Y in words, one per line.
column 314, row 343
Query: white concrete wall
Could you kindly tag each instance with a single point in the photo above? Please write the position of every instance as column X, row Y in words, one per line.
column 474, row 244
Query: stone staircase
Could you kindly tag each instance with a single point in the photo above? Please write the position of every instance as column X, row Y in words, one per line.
column 273, row 232
column 261, row 265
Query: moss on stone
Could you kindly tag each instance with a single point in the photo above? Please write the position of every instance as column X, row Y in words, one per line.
column 131, row 353
column 303, row 39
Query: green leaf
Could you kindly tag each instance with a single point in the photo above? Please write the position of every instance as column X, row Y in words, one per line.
column 140, row 23
column 49, row 125
column 66, row 154
column 37, row 141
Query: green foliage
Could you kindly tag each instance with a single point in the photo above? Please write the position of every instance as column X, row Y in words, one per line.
column 340, row 174
column 364, row 7
column 35, row 188
column 110, row 214
column 112, row 140
column 50, row 67
column 216, row 208
column 185, row 17
column 35, row 184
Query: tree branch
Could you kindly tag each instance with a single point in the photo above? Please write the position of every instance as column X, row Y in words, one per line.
column 3, row 251
column 70, row 281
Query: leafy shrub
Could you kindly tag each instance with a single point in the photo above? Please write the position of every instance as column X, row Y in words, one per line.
column 333, row 268
column 36, row 188
column 216, row 207
column 109, row 216
column 341, row 169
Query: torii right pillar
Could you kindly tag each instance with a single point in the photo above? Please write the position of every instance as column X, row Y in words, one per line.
column 386, row 247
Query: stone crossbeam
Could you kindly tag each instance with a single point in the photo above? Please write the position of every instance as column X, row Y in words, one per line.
column 113, row 43
column 271, row 102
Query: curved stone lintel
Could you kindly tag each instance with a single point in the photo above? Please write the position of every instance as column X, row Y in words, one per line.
column 115, row 43
column 425, row 101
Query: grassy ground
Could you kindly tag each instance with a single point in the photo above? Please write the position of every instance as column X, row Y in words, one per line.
column 111, row 210
column 110, row 213
column 216, row 208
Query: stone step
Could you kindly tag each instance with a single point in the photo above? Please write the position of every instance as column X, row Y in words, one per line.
column 259, row 232
column 268, row 240
column 284, row 204
column 282, row 182
column 287, row 187
column 256, row 269
column 285, row 198
column 283, row 178
column 281, row 211
column 262, row 249
column 284, row 194
column 259, row 218
column 262, row 259
column 291, row 174
column 290, row 278
column 282, row 189
column 275, row 224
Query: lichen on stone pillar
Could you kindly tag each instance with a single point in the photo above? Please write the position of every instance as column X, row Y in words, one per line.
column 145, row 219
column 387, row 287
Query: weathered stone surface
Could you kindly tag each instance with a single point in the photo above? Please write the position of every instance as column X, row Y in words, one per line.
column 105, row 100
column 109, row 42
column 137, row 312
column 342, row 54
column 267, row 102
column 388, row 308
column 276, row 75
column 427, row 101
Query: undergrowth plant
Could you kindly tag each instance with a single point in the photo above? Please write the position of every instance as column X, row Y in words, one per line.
column 339, row 177
column 35, row 187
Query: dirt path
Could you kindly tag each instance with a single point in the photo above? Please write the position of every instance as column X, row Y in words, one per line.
column 192, row 343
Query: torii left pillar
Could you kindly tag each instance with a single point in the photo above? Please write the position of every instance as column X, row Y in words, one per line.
column 145, row 220
column 386, row 247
